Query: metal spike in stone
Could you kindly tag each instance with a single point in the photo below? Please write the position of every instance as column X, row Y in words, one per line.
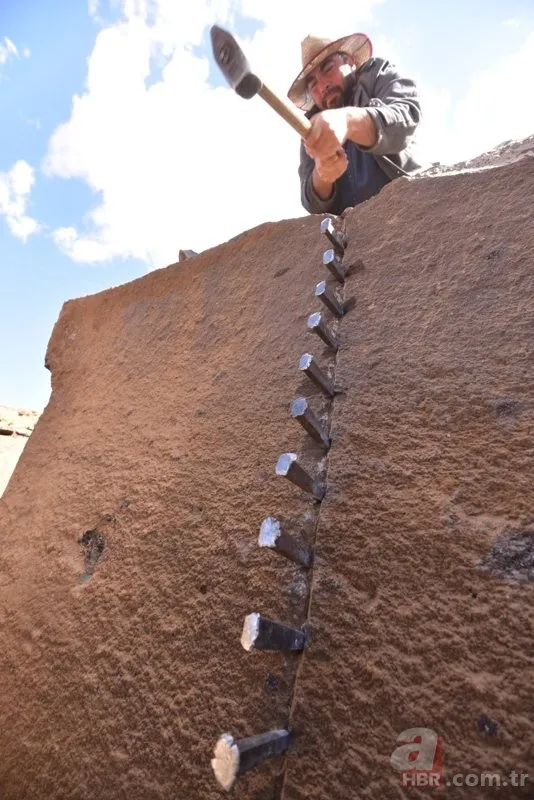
column 260, row 633
column 288, row 467
column 233, row 758
column 301, row 411
column 332, row 262
column 335, row 238
column 324, row 293
column 316, row 324
column 309, row 367
column 273, row 536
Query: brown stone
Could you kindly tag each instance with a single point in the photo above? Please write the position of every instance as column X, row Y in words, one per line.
column 120, row 661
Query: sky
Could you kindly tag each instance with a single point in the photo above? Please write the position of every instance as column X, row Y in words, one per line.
column 120, row 142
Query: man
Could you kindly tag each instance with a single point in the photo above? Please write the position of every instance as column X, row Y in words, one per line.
column 363, row 115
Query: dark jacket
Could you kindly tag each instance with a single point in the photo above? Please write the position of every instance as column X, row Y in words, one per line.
column 393, row 103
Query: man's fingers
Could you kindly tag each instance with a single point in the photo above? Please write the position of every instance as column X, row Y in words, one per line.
column 338, row 155
column 324, row 149
column 332, row 166
column 315, row 133
column 320, row 141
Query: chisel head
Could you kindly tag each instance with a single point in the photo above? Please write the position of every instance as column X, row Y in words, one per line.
column 309, row 367
column 334, row 237
column 332, row 262
column 288, row 467
column 234, row 757
column 317, row 325
column 326, row 295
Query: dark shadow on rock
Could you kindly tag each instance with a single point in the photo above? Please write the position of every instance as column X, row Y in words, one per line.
column 512, row 556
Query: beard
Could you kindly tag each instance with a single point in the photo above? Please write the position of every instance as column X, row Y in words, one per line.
column 339, row 96
column 333, row 97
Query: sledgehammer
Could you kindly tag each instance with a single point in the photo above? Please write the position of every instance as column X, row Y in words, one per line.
column 234, row 66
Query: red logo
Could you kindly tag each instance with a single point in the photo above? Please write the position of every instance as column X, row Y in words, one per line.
column 419, row 758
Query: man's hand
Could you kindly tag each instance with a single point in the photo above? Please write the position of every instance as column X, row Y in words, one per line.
column 331, row 129
column 331, row 168
column 328, row 133
column 327, row 171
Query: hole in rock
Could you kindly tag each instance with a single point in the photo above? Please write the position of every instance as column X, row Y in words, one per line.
column 512, row 556
column 93, row 546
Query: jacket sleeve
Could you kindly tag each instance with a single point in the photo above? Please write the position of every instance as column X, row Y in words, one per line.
column 395, row 108
column 309, row 197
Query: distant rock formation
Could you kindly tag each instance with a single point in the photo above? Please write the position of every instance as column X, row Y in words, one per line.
column 183, row 255
column 506, row 153
column 16, row 425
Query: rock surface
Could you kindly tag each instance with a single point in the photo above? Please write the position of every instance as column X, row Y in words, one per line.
column 129, row 528
column 506, row 153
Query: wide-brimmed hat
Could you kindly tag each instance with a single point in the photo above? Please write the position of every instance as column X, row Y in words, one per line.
column 315, row 50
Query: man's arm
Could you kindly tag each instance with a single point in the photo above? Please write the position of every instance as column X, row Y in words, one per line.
column 361, row 128
column 323, row 187
column 314, row 201
column 382, row 121
column 394, row 108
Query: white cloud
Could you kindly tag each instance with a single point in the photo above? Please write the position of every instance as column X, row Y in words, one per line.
column 80, row 249
column 493, row 109
column 432, row 140
column 496, row 106
column 179, row 164
column 513, row 22
column 15, row 187
column 7, row 50
column 93, row 7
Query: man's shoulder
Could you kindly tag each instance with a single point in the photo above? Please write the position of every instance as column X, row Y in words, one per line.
column 374, row 77
column 374, row 67
column 365, row 79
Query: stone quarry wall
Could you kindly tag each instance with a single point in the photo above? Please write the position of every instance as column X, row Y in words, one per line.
column 129, row 554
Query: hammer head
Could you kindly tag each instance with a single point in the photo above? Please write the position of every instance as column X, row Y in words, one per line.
column 232, row 62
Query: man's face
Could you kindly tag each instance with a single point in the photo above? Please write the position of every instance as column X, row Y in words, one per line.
column 326, row 84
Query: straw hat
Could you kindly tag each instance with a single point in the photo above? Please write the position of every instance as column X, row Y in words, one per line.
column 315, row 50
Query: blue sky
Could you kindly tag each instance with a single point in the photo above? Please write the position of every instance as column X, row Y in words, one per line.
column 132, row 147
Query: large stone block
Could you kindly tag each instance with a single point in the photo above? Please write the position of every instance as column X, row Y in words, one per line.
column 129, row 554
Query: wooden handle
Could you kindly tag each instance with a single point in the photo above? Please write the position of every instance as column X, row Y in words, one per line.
column 293, row 115
column 296, row 118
